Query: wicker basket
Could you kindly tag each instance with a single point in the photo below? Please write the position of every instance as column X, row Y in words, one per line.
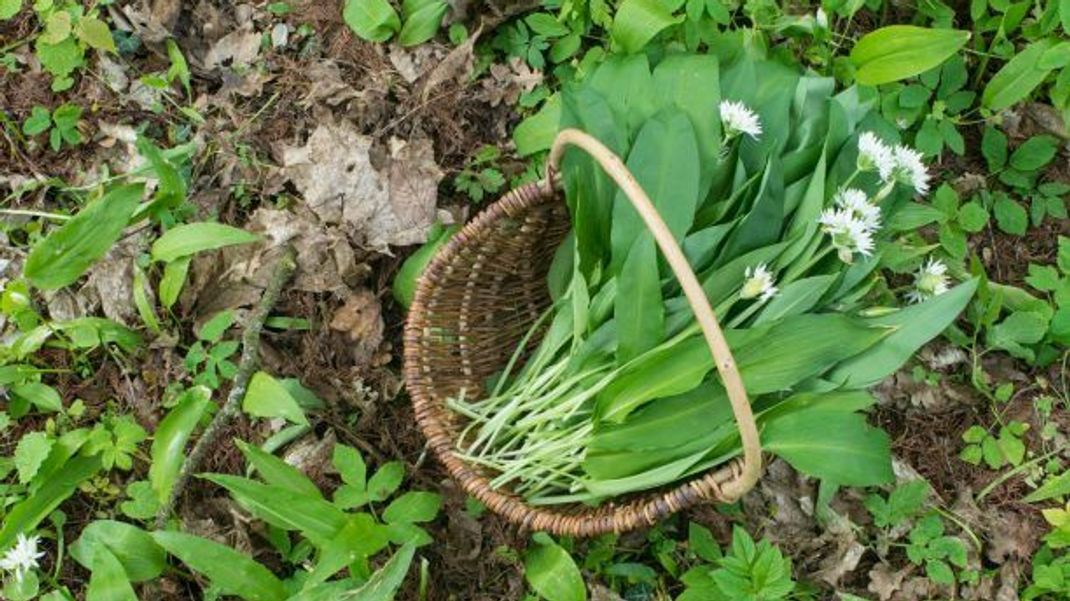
column 476, row 300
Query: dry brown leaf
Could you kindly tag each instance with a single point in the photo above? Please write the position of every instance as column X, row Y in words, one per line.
column 235, row 276
column 64, row 305
column 969, row 183
column 360, row 318
column 312, row 454
column 412, row 63
column 602, row 593
column 280, row 35
column 144, row 95
column 843, row 560
column 236, row 49
column 325, row 261
column 325, row 85
column 884, row 581
column 113, row 73
column 1048, row 119
column 334, row 173
column 918, row 588
column 508, row 81
column 390, row 205
column 458, row 65
column 414, row 178
column 249, row 83
column 165, row 13
column 1009, row 578
column 464, row 535
column 1011, row 537
column 902, row 391
column 785, row 491
column 148, row 25
column 111, row 280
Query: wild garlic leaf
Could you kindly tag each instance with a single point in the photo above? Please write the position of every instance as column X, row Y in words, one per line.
column 108, row 580
column 1018, row 77
column 552, row 573
column 833, row 445
column 422, row 18
column 638, row 21
column 897, row 52
column 277, row 472
column 266, row 397
column 373, row 20
column 170, row 438
column 135, row 550
column 312, row 516
column 191, row 238
column 67, row 252
column 234, row 573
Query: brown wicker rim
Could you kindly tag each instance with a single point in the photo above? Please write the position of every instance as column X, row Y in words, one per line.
column 434, row 370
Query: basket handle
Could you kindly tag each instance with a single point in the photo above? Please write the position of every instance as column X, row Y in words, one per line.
column 696, row 297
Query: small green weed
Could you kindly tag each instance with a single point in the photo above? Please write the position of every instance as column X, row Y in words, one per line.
column 747, row 570
column 480, row 178
column 61, row 125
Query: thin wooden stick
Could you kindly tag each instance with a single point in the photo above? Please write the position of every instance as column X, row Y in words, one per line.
column 250, row 358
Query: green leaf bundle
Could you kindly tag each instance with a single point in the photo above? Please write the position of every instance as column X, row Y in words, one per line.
column 776, row 187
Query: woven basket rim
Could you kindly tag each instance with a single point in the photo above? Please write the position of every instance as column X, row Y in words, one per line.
column 614, row 515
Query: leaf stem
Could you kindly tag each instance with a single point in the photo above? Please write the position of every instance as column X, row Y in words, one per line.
column 1014, row 472
column 29, row 213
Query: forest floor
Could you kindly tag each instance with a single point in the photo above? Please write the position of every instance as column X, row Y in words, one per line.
column 294, row 112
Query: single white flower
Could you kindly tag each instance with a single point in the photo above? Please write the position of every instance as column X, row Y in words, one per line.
column 758, row 283
column 849, row 234
column 738, row 119
column 822, row 19
column 875, row 155
column 22, row 557
column 910, row 170
column 855, row 201
column 929, row 281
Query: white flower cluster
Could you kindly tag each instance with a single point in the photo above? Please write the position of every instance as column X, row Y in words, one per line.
column 737, row 118
column 851, row 223
column 898, row 164
column 758, row 283
column 929, row 281
column 22, row 557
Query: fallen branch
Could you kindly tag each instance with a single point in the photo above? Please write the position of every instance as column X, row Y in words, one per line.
column 250, row 353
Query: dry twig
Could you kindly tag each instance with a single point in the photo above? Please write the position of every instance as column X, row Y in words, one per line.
column 284, row 268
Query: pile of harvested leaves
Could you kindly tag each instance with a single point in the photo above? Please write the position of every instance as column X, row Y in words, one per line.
column 777, row 200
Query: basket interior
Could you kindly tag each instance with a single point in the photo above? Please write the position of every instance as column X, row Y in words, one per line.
column 485, row 298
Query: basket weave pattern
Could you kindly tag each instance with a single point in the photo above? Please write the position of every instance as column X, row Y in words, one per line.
column 473, row 305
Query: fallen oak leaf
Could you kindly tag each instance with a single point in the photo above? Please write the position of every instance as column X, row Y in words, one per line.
column 393, row 204
column 362, row 321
